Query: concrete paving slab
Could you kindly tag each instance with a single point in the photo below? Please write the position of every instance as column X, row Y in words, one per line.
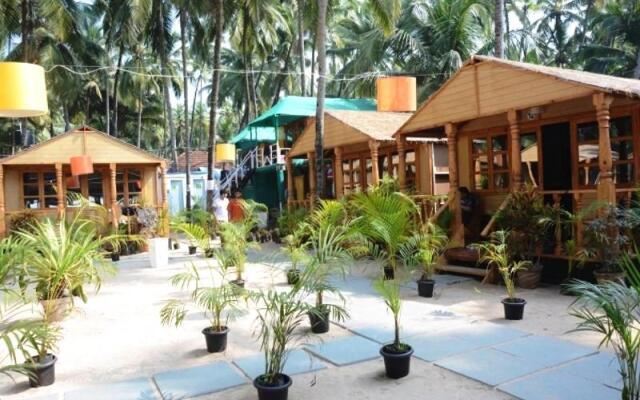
column 196, row 381
column 544, row 351
column 350, row 350
column 298, row 362
column 557, row 385
column 602, row 368
column 133, row 389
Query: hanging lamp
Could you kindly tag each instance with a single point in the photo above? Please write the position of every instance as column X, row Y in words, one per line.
column 82, row 164
column 23, row 92
column 225, row 152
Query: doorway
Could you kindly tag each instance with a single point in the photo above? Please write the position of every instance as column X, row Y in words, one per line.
column 556, row 155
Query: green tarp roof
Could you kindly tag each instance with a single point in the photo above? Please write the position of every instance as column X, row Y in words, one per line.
column 290, row 109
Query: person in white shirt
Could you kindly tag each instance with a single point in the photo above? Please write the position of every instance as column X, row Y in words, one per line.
column 220, row 205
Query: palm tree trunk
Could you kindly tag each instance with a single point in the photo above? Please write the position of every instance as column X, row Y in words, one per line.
column 301, row 45
column 322, row 68
column 67, row 124
column 215, row 92
column 498, row 20
column 139, row 128
column 396, row 331
column 167, row 88
column 313, row 65
column 115, row 90
column 636, row 70
column 185, row 95
column 507, row 28
column 247, row 66
column 193, row 106
column 276, row 94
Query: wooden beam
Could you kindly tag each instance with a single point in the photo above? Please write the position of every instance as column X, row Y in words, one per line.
column 115, row 214
column 452, row 142
column 3, row 227
column 164, row 198
column 374, row 145
column 516, row 163
column 60, row 190
column 606, row 186
column 311, row 157
column 402, row 166
column 339, row 173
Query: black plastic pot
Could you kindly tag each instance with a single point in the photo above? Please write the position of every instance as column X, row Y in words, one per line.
column 280, row 391
column 43, row 372
column 238, row 282
column 389, row 273
column 425, row 287
column 176, row 245
column 115, row 256
column 319, row 321
column 208, row 253
column 396, row 364
column 192, row 250
column 513, row 308
column 216, row 340
column 293, row 276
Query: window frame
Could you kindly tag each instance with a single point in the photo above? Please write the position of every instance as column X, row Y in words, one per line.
column 42, row 196
column 489, row 135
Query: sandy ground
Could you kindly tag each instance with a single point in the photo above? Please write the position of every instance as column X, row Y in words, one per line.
column 117, row 335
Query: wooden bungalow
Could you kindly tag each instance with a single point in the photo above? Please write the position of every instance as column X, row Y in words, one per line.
column 572, row 134
column 364, row 150
column 37, row 179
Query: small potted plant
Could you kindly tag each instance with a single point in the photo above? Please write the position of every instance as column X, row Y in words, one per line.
column 495, row 254
column 219, row 302
column 397, row 355
column 42, row 340
column 296, row 249
column 387, row 221
column 429, row 248
column 196, row 236
column 280, row 314
column 606, row 236
column 235, row 243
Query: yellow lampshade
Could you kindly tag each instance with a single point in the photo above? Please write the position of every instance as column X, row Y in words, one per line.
column 23, row 92
column 225, row 152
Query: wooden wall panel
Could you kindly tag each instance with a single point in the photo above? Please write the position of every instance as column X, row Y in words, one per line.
column 12, row 190
column 464, row 163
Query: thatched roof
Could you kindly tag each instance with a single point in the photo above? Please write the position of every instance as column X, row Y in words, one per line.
column 488, row 86
column 605, row 83
column 375, row 124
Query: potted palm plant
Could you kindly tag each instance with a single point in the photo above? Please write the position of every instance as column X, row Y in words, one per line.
column 388, row 222
column 42, row 340
column 196, row 236
column 496, row 254
column 280, row 314
column 296, row 249
column 397, row 355
column 61, row 257
column 218, row 300
column 329, row 232
column 425, row 253
column 235, row 241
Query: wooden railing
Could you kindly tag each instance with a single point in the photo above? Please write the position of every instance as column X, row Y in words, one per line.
column 431, row 206
column 492, row 222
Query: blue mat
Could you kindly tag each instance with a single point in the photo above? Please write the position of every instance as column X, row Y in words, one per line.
column 602, row 368
column 488, row 366
column 345, row 351
column 133, row 389
column 298, row 362
column 556, row 385
column 544, row 351
column 196, row 381
column 438, row 345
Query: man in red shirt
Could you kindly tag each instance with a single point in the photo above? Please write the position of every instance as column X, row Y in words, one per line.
column 235, row 208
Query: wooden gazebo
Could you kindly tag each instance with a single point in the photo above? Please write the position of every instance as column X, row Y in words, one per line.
column 38, row 179
column 574, row 135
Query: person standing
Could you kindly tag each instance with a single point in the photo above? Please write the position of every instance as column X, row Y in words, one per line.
column 221, row 207
column 235, row 208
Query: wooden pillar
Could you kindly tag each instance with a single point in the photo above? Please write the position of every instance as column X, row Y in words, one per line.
column 606, row 186
column 60, row 190
column 374, row 145
column 114, row 197
column 164, row 197
column 452, row 142
column 516, row 159
column 3, row 227
column 290, row 188
column 402, row 168
column 311, row 156
column 429, row 169
column 338, row 174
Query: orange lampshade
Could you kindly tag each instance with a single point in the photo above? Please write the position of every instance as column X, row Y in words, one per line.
column 73, row 182
column 396, row 93
column 81, row 165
